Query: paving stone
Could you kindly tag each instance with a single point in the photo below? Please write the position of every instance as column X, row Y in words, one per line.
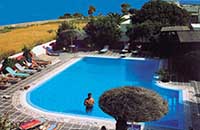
column 85, row 127
column 94, row 128
column 15, row 115
column 76, row 126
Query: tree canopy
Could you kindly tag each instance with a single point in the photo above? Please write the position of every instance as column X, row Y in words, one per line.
column 78, row 15
column 65, row 26
column 91, row 10
column 103, row 31
column 163, row 12
column 143, row 31
column 148, row 21
column 65, row 35
column 116, row 18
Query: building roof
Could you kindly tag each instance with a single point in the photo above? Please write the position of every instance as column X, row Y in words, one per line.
column 175, row 28
column 189, row 36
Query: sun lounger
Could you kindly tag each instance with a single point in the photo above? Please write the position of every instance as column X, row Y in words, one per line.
column 22, row 69
column 126, row 48
column 16, row 74
column 122, row 55
column 31, row 124
column 105, row 49
column 50, row 52
column 8, row 79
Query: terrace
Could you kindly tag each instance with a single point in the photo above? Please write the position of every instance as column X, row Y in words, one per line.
column 19, row 112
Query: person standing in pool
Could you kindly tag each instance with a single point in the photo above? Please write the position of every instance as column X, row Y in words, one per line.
column 89, row 102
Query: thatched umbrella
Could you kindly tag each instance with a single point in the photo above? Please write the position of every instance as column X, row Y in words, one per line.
column 67, row 37
column 132, row 104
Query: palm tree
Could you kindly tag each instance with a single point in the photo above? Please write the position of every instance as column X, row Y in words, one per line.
column 132, row 104
column 91, row 10
column 125, row 8
column 116, row 17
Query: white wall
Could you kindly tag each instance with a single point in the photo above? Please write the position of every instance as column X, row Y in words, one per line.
column 37, row 50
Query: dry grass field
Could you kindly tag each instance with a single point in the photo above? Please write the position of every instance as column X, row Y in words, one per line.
column 16, row 39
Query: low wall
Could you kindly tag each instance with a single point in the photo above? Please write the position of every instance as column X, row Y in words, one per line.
column 37, row 50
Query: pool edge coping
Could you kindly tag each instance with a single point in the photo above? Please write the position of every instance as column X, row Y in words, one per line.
column 22, row 96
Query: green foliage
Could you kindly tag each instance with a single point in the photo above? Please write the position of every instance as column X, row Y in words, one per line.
column 8, row 29
column 162, row 12
column 66, row 34
column 116, row 18
column 66, row 38
column 27, row 53
column 143, row 31
column 163, row 75
column 103, row 31
column 5, row 29
column 148, row 21
column 66, row 15
column 5, row 124
column 132, row 11
column 77, row 15
column 65, row 26
column 8, row 62
column 91, row 10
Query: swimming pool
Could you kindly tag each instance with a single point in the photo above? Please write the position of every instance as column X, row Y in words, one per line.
column 65, row 92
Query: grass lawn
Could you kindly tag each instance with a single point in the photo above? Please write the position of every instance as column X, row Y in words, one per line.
column 15, row 39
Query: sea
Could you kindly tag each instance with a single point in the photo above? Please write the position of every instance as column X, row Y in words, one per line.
column 20, row 11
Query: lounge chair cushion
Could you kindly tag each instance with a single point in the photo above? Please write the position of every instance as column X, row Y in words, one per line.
column 20, row 68
column 13, row 73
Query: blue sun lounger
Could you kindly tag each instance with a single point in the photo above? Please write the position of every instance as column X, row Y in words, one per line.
column 17, row 74
column 50, row 52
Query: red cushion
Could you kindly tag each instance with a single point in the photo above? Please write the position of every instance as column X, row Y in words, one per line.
column 30, row 124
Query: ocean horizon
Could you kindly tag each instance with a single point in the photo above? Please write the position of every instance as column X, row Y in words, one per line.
column 28, row 11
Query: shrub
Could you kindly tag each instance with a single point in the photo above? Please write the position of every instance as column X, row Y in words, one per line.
column 163, row 75
column 5, row 124
column 8, row 62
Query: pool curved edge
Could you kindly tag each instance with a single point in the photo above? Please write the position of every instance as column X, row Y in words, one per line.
column 35, row 112
column 19, row 101
column 183, row 93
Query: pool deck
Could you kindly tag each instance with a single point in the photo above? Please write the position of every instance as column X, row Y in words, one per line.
column 20, row 111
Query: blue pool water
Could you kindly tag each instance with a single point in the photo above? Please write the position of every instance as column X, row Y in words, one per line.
column 65, row 92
